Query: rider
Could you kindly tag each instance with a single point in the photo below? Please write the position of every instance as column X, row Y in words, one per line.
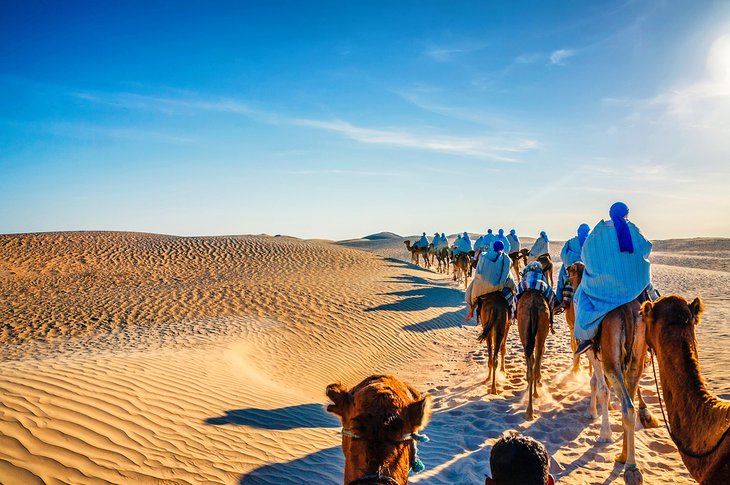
column 423, row 242
column 617, row 271
column 505, row 242
column 444, row 242
column 489, row 239
column 492, row 274
column 569, row 255
column 436, row 240
column 519, row 460
column 541, row 246
column 514, row 242
column 533, row 278
column 463, row 245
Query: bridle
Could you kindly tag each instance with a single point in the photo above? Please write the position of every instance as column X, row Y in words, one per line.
column 677, row 443
column 383, row 478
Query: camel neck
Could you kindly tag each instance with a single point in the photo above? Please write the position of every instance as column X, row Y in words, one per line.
column 696, row 417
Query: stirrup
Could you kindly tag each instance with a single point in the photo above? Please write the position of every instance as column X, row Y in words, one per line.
column 583, row 346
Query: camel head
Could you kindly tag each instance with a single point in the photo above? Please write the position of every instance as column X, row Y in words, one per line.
column 575, row 274
column 381, row 418
column 407, row 242
column 670, row 315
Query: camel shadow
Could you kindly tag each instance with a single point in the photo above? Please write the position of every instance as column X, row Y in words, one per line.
column 410, row 279
column 399, row 263
column 290, row 417
column 323, row 466
column 424, row 298
column 453, row 319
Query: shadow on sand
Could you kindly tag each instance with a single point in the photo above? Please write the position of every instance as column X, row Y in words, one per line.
column 323, row 466
column 291, row 417
column 399, row 263
column 453, row 319
column 423, row 298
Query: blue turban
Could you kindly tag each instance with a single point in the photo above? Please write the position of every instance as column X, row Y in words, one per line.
column 489, row 231
column 501, row 232
column 583, row 231
column 512, row 232
column 498, row 246
column 443, row 235
column 618, row 213
column 542, row 233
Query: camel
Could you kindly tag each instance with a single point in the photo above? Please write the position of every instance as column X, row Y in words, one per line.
column 575, row 273
column 533, row 320
column 618, row 362
column 417, row 251
column 516, row 257
column 493, row 312
column 699, row 421
column 381, row 419
column 462, row 267
column 547, row 267
column 441, row 255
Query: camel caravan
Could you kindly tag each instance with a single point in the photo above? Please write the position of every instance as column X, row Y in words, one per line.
column 617, row 320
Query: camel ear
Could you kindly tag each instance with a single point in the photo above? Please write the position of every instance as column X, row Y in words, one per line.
column 697, row 307
column 646, row 311
column 341, row 398
column 419, row 412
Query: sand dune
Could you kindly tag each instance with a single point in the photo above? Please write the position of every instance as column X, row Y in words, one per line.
column 140, row 358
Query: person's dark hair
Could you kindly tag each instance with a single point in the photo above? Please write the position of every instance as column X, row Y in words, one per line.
column 519, row 460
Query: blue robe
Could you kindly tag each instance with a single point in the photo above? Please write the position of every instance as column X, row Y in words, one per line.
column 504, row 241
column 569, row 255
column 423, row 242
column 514, row 243
column 611, row 278
column 541, row 246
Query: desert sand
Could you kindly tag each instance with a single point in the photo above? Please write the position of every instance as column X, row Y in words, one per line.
column 142, row 358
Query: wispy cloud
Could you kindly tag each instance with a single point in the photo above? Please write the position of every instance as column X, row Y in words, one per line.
column 87, row 131
column 528, row 58
column 446, row 53
column 558, row 57
column 495, row 148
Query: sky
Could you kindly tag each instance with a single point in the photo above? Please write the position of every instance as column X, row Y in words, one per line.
column 340, row 119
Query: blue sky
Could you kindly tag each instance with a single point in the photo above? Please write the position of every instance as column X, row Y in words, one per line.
column 340, row 119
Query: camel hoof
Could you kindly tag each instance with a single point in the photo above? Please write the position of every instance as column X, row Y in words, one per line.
column 647, row 419
column 529, row 416
column 632, row 475
column 605, row 439
column 591, row 416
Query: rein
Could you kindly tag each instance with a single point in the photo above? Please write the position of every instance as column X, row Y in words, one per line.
column 374, row 478
column 680, row 447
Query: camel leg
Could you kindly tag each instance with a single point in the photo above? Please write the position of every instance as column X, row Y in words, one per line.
column 539, row 350
column 648, row 420
column 489, row 358
column 503, row 352
column 600, row 390
column 530, row 387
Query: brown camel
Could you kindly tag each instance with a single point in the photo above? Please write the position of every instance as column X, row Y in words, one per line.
column 618, row 360
column 547, row 267
column 441, row 255
column 699, row 421
column 516, row 257
column 381, row 418
column 417, row 251
column 462, row 267
column 575, row 274
column 533, row 320
column 493, row 312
